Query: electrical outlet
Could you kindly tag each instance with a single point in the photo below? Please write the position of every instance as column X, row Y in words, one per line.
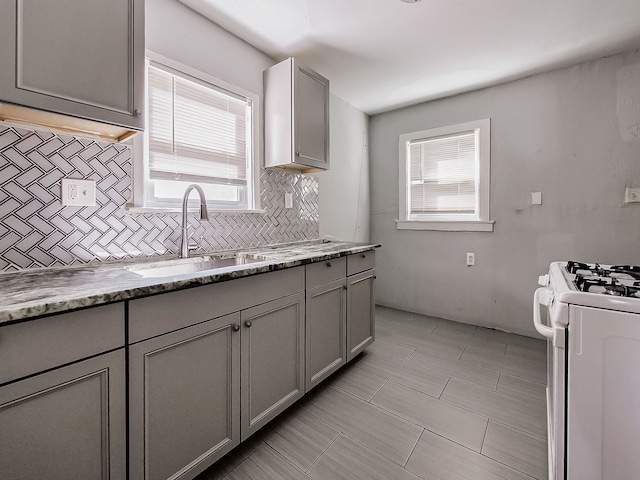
column 288, row 200
column 631, row 195
column 78, row 193
column 471, row 259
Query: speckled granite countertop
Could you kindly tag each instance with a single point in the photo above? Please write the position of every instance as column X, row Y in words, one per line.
column 36, row 292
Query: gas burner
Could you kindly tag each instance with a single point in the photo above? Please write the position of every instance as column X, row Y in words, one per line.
column 584, row 268
column 615, row 280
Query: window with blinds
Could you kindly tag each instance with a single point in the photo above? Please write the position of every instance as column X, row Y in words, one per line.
column 443, row 174
column 197, row 132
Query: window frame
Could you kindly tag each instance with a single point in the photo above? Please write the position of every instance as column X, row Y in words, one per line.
column 478, row 221
column 140, row 200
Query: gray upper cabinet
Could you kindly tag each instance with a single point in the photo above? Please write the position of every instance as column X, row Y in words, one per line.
column 360, row 302
column 184, row 399
column 326, row 310
column 62, row 415
column 58, row 58
column 272, row 360
column 296, row 118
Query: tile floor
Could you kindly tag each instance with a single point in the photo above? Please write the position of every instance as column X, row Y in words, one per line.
column 430, row 399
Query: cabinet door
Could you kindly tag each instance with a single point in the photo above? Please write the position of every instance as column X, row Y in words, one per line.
column 67, row 423
column 360, row 312
column 326, row 331
column 80, row 58
column 272, row 360
column 184, row 397
column 311, row 118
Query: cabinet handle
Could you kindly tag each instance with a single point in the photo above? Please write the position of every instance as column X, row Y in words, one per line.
column 328, row 264
column 297, row 154
column 236, row 327
column 345, row 287
column 364, row 256
column 374, row 277
column 137, row 112
column 248, row 324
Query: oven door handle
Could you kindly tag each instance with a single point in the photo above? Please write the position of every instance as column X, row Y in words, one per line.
column 542, row 296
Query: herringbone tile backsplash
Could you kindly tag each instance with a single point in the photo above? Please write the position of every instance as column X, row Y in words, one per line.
column 37, row 231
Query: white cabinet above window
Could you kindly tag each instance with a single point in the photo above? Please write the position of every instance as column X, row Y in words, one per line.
column 75, row 65
column 296, row 102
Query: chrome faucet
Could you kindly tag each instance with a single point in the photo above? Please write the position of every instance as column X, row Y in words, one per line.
column 184, row 245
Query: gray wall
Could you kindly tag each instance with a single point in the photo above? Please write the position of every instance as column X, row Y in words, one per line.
column 343, row 203
column 572, row 134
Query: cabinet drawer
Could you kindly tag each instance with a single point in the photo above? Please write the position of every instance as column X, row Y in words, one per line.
column 326, row 271
column 359, row 262
column 171, row 311
column 36, row 345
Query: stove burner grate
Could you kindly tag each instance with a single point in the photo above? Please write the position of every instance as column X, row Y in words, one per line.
column 616, row 280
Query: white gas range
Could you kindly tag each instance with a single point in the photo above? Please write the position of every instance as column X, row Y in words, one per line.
column 593, row 358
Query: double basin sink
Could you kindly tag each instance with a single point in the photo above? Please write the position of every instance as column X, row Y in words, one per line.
column 205, row 264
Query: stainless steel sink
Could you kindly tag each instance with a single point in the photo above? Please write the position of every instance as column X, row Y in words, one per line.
column 186, row 266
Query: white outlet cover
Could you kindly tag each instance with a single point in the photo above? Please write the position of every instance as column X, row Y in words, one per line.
column 78, row 193
column 288, row 200
column 536, row 198
column 631, row 195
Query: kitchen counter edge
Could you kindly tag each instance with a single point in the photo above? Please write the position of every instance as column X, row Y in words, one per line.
column 33, row 293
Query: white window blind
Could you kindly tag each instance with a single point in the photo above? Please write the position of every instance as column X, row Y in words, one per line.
column 196, row 133
column 443, row 174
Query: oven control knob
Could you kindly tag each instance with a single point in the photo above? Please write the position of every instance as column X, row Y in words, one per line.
column 543, row 280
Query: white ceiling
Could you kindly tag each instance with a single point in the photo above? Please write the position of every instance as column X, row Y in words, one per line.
column 384, row 54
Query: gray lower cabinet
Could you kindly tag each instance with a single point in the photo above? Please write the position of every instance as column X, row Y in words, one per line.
column 361, row 275
column 272, row 360
column 326, row 320
column 67, row 423
column 63, row 396
column 185, row 399
column 208, row 367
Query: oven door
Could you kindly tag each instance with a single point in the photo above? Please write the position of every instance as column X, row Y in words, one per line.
column 556, row 375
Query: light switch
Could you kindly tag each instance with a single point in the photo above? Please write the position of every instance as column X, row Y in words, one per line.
column 536, row 198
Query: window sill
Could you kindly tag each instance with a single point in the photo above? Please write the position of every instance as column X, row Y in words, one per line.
column 159, row 210
column 447, row 226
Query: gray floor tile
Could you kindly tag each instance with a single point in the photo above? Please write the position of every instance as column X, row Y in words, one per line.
column 498, row 335
column 516, row 449
column 386, row 434
column 529, row 390
column 348, row 459
column 419, row 378
column 530, row 353
column 510, row 410
column 470, row 339
column 513, row 364
column 266, row 464
column 401, row 352
column 436, row 458
column 234, row 458
column 300, row 438
column 358, row 382
column 453, row 423
column 466, row 328
column 365, row 421
column 476, row 374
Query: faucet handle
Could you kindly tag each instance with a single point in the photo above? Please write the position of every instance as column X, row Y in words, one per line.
column 191, row 243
